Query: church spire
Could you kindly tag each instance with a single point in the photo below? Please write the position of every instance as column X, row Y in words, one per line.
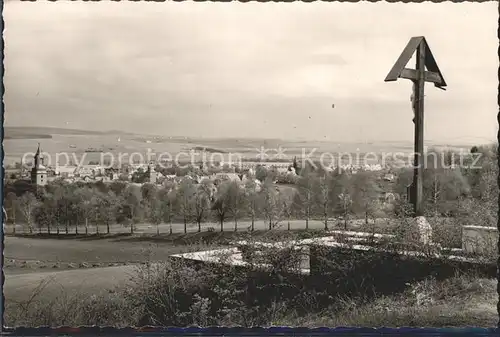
column 38, row 172
column 37, row 156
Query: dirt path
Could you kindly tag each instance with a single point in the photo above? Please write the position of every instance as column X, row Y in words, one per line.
column 69, row 282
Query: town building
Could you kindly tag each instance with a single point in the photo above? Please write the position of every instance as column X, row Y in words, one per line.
column 65, row 171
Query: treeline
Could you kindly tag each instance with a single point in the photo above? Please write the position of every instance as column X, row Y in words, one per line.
column 462, row 191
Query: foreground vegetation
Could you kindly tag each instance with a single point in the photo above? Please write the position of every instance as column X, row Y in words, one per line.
column 366, row 289
column 178, row 293
column 461, row 301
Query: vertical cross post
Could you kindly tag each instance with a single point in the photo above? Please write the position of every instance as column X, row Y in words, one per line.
column 426, row 70
column 419, row 131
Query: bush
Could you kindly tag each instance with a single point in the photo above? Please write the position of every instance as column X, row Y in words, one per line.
column 70, row 309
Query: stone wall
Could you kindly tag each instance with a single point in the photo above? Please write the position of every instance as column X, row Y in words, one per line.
column 479, row 240
column 348, row 270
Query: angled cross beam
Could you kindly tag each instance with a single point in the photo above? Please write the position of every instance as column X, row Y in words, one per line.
column 432, row 74
column 426, row 70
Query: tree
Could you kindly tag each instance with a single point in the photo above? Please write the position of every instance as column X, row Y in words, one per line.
column 19, row 187
column 201, row 200
column 46, row 212
column 305, row 197
column 342, row 192
column 11, row 208
column 107, row 208
column 272, row 204
column 62, row 197
column 325, row 197
column 132, row 198
column 157, row 212
column 75, row 211
column 183, row 200
column 140, row 176
column 85, row 206
column 221, row 203
column 236, row 202
column 149, row 192
column 365, row 194
column 118, row 187
column 64, row 205
column 261, row 173
column 162, row 207
column 287, row 212
column 166, row 203
column 28, row 204
column 252, row 195
column 96, row 203
column 444, row 188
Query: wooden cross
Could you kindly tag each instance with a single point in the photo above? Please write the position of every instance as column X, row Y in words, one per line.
column 419, row 75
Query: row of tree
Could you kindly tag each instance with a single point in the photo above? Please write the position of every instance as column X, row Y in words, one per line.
column 66, row 205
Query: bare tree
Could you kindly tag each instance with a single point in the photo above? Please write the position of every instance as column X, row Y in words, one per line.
column 342, row 193
column 221, row 203
column 95, row 202
column 252, row 195
column 149, row 192
column 305, row 199
column 132, row 197
column 183, row 199
column 236, row 202
column 84, row 197
column 107, row 208
column 169, row 203
column 46, row 212
column 157, row 210
column 287, row 212
column 201, row 199
column 365, row 193
column 325, row 197
column 28, row 204
column 272, row 206
column 11, row 208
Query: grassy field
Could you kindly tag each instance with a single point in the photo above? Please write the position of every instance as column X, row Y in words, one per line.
column 95, row 262
column 94, row 281
column 114, row 249
column 89, row 264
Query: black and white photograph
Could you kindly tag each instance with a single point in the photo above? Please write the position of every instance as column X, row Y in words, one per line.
column 234, row 164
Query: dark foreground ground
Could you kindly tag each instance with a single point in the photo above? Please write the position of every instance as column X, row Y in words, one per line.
column 87, row 266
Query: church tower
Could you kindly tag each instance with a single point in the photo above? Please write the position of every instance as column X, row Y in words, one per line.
column 38, row 172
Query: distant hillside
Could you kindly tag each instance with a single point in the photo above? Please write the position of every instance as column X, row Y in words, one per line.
column 208, row 149
column 32, row 132
column 24, row 135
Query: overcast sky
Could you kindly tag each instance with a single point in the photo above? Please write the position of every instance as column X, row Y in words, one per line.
column 249, row 70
